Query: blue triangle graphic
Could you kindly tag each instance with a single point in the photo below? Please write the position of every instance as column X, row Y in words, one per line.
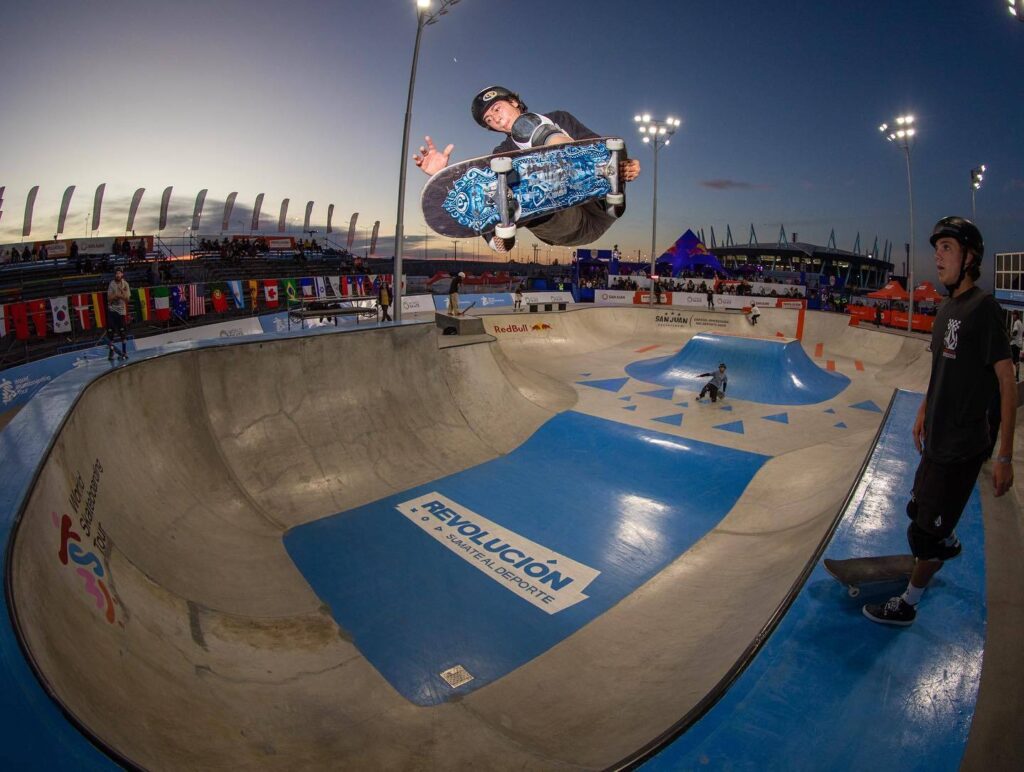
column 683, row 404
column 840, row 425
column 610, row 384
column 658, row 393
column 868, row 405
column 830, row 410
column 626, row 399
column 675, row 420
column 735, row 426
column 629, row 407
column 726, row 407
column 782, row 418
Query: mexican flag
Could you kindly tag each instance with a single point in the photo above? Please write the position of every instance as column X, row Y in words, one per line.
column 162, row 303
column 142, row 300
column 270, row 292
column 61, row 316
column 219, row 299
column 80, row 303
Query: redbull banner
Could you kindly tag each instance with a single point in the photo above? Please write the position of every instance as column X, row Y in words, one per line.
column 330, row 216
column 256, row 212
column 373, row 238
column 165, row 203
column 30, row 203
column 134, row 210
column 197, row 213
column 283, row 216
column 309, row 213
column 65, row 204
column 229, row 205
column 97, row 205
column 351, row 231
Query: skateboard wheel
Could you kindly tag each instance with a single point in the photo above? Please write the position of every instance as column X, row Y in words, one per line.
column 615, row 144
column 501, row 165
column 503, row 232
column 616, row 199
column 853, row 592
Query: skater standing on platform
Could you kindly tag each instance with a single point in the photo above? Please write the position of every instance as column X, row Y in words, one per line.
column 970, row 363
column 384, row 301
column 518, row 305
column 453, row 293
column 498, row 109
column 711, row 298
column 755, row 314
column 719, row 380
column 118, row 293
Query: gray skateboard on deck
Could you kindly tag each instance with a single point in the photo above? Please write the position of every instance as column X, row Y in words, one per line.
column 854, row 573
column 499, row 192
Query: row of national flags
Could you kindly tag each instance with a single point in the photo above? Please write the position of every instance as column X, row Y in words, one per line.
column 86, row 311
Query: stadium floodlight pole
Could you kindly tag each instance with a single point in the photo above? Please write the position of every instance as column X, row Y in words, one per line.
column 423, row 18
column 902, row 135
column 656, row 133
column 977, row 175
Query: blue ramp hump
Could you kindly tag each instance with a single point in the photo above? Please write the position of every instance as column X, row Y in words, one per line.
column 766, row 371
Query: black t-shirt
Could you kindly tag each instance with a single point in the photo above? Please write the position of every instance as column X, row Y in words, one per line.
column 567, row 122
column 967, row 340
column 456, row 284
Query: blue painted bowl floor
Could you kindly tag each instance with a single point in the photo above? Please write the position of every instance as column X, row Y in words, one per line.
column 766, row 371
column 622, row 500
column 832, row 690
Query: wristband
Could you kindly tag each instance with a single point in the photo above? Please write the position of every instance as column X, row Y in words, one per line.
column 1004, row 459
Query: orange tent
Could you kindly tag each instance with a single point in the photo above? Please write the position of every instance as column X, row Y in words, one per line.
column 925, row 291
column 891, row 291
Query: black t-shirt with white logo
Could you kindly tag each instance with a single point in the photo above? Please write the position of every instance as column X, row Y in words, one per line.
column 967, row 340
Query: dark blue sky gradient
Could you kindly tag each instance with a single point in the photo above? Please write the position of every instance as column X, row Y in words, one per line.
column 780, row 102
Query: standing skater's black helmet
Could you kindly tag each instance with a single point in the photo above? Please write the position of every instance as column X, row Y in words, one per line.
column 962, row 231
column 488, row 97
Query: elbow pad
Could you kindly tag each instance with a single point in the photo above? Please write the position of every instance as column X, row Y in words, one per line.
column 533, row 130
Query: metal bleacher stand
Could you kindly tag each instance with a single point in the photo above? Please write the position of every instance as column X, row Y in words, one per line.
column 301, row 309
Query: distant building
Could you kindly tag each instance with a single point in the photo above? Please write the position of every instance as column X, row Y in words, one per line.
column 810, row 264
column 1009, row 280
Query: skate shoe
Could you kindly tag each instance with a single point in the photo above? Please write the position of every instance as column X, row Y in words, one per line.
column 895, row 611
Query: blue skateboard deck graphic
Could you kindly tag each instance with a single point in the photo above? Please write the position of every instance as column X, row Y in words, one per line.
column 461, row 200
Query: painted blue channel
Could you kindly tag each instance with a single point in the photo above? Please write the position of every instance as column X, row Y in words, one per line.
column 623, row 500
column 832, row 690
column 766, row 371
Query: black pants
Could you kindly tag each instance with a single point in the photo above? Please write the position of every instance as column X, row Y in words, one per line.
column 709, row 389
column 941, row 491
column 583, row 224
column 385, row 315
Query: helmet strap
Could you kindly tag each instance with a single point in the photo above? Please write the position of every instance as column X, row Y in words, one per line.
column 965, row 255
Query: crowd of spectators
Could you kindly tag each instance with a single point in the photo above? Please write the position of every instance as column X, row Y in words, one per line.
column 37, row 252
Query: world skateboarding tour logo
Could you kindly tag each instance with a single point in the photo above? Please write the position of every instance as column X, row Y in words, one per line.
column 90, row 568
column 544, row 578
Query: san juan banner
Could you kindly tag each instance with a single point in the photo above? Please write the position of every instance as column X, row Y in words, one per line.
column 309, row 214
column 330, row 216
column 197, row 213
column 283, row 216
column 30, row 203
column 256, row 212
column 97, row 205
column 229, row 205
column 351, row 230
column 373, row 238
column 65, row 204
column 165, row 203
column 134, row 210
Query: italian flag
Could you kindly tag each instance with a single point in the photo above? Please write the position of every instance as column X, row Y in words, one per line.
column 162, row 303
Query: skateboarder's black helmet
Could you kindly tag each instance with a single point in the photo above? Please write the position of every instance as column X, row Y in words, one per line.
column 961, row 230
column 487, row 97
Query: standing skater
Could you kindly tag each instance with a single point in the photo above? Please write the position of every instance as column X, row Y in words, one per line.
column 719, row 380
column 970, row 363
column 518, row 305
column 384, row 301
column 118, row 293
column 496, row 108
column 453, row 293
column 755, row 314
column 711, row 298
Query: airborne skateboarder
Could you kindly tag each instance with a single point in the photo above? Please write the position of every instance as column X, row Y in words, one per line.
column 498, row 109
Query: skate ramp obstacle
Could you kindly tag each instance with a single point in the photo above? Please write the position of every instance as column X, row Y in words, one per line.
column 766, row 371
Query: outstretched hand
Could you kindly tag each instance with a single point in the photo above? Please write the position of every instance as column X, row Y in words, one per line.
column 430, row 159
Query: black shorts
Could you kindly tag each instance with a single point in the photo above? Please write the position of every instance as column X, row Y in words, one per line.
column 115, row 322
column 941, row 491
column 1015, row 354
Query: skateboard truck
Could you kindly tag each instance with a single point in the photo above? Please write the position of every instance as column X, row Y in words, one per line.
column 616, row 198
column 506, row 228
column 854, row 573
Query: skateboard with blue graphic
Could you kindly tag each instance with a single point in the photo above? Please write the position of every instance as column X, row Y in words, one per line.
column 499, row 192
